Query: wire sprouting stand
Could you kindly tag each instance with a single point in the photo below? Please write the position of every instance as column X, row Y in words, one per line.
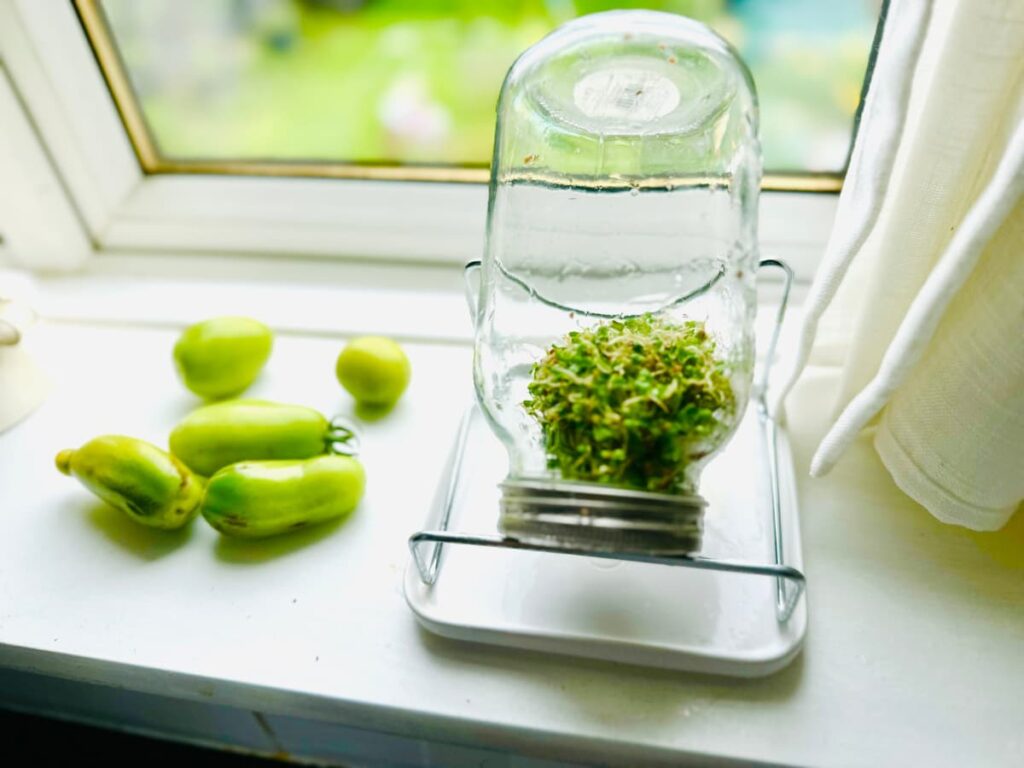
column 427, row 546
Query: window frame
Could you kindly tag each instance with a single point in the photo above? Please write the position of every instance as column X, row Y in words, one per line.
column 126, row 203
column 115, row 73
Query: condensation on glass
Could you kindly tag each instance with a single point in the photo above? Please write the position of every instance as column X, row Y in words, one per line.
column 624, row 181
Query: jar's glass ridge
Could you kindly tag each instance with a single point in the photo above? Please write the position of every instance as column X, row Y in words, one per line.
column 624, row 185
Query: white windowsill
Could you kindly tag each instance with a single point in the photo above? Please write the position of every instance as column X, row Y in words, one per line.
column 318, row 629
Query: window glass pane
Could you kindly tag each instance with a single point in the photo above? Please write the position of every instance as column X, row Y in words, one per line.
column 415, row 81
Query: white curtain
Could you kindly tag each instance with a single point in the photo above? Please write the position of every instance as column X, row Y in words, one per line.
column 920, row 297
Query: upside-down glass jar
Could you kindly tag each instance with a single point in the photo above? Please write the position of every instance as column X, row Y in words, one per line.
column 614, row 323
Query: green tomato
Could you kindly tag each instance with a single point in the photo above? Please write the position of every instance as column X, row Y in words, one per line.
column 221, row 357
column 374, row 369
column 254, row 499
column 220, row 434
column 147, row 484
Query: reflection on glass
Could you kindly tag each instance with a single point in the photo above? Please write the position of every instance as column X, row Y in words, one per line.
column 414, row 81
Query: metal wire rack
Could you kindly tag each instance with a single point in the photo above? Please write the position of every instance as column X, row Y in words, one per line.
column 790, row 582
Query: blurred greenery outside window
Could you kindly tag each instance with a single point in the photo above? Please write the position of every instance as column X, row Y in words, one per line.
column 407, row 82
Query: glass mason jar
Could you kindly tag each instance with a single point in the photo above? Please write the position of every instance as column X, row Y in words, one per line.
column 614, row 324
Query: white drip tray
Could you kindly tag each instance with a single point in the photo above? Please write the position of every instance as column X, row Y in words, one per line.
column 633, row 613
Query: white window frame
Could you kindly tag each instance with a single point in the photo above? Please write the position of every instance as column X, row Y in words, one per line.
column 36, row 216
column 51, row 66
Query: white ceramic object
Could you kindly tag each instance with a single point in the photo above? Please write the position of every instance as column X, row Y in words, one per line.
column 23, row 385
column 677, row 618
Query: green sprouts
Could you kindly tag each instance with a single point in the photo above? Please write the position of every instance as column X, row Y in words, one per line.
column 631, row 402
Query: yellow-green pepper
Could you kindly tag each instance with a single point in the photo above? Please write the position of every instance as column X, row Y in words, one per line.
column 222, row 356
column 254, row 499
column 217, row 435
column 374, row 369
column 149, row 485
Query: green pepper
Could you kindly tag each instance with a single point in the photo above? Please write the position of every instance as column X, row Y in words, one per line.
column 149, row 485
column 217, row 435
column 253, row 499
column 222, row 356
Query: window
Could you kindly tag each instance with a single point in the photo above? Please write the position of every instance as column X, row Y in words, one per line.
column 281, row 127
column 402, row 89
